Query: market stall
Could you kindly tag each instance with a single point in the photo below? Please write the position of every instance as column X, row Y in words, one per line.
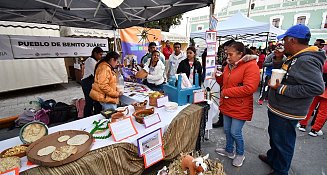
column 106, row 152
column 75, row 65
column 173, row 38
column 27, row 73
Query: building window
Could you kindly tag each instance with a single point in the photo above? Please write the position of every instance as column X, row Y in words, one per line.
column 276, row 22
column 199, row 27
column 301, row 20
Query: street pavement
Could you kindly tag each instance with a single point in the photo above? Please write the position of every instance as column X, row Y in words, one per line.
column 309, row 159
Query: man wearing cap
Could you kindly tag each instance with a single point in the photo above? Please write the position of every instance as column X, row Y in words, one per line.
column 290, row 99
column 274, row 60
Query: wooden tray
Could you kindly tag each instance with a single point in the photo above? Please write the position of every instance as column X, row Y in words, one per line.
column 52, row 140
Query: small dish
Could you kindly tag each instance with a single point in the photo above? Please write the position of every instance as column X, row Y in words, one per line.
column 139, row 115
column 33, row 131
column 21, row 152
column 171, row 106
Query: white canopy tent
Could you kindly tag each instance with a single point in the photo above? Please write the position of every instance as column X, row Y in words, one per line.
column 25, row 73
column 240, row 26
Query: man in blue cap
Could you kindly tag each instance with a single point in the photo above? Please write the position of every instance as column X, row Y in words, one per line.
column 289, row 100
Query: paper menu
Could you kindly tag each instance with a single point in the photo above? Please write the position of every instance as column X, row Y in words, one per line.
column 153, row 156
column 122, row 129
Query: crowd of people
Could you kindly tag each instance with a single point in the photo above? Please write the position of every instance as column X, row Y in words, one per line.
column 291, row 101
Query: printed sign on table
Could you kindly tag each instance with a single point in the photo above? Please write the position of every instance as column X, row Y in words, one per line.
column 151, row 120
column 162, row 101
column 153, row 156
column 149, row 141
column 120, row 134
column 14, row 171
column 198, row 96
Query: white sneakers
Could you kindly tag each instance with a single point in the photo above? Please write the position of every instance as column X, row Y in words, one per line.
column 312, row 133
column 237, row 159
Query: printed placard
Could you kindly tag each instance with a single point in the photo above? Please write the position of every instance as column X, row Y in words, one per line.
column 151, row 120
column 120, row 134
column 210, row 61
column 149, row 141
column 14, row 171
column 153, row 156
column 198, row 96
column 211, row 36
column 210, row 73
column 211, row 49
column 162, row 101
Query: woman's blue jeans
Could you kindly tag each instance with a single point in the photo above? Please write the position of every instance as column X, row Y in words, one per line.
column 233, row 130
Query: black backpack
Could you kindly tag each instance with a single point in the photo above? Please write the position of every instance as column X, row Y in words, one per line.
column 62, row 112
column 48, row 104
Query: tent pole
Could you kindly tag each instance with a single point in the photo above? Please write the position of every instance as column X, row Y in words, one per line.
column 212, row 11
column 115, row 41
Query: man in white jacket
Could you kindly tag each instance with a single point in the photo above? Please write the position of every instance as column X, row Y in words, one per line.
column 174, row 59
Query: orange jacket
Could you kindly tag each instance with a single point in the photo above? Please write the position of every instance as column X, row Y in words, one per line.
column 104, row 88
column 238, row 86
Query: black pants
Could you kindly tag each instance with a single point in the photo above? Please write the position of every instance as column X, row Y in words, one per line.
column 89, row 102
column 265, row 88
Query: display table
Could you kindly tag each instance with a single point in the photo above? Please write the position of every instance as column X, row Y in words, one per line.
column 135, row 92
column 122, row 158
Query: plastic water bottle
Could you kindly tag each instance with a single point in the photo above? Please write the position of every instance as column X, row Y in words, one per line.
column 120, row 82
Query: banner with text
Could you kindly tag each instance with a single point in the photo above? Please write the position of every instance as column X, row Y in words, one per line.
column 5, row 48
column 39, row 47
column 135, row 41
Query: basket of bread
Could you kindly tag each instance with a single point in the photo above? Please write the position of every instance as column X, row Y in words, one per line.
column 153, row 98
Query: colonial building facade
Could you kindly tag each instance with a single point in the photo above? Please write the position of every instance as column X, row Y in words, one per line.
column 281, row 13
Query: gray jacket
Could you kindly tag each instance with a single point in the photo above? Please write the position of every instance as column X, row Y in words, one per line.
column 302, row 82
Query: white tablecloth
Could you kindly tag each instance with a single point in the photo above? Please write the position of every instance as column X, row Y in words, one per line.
column 166, row 118
column 126, row 98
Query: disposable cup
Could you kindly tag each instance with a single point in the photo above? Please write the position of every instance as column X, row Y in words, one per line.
column 277, row 74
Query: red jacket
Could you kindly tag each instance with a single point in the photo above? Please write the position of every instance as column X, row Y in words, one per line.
column 167, row 51
column 238, row 85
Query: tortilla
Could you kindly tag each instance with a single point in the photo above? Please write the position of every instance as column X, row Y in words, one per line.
column 46, row 151
column 63, row 138
column 78, row 139
column 63, row 153
column 33, row 132
column 59, row 156
column 9, row 163
column 69, row 149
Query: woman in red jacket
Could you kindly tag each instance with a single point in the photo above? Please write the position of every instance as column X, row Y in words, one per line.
column 238, row 82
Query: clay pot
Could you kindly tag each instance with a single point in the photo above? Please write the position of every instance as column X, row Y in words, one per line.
column 138, row 114
column 123, row 109
column 117, row 116
column 140, row 105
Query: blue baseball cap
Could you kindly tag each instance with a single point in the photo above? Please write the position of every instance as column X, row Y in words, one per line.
column 297, row 31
